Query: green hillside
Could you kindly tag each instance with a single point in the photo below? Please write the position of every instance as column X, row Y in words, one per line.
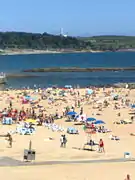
column 110, row 42
column 23, row 40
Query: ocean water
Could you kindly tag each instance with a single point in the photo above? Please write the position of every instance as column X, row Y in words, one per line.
column 16, row 63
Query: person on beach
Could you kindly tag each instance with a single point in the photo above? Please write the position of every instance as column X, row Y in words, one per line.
column 9, row 139
column 127, row 177
column 63, row 141
column 81, row 111
column 101, row 146
column 10, row 104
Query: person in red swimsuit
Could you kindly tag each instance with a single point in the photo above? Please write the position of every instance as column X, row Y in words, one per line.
column 101, row 146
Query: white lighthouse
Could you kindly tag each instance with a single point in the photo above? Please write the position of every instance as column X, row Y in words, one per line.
column 62, row 33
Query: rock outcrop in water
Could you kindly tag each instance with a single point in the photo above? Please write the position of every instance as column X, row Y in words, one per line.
column 78, row 69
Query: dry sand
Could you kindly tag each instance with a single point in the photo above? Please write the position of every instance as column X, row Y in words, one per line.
column 50, row 150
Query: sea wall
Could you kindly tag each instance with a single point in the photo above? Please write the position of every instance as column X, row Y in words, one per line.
column 78, row 69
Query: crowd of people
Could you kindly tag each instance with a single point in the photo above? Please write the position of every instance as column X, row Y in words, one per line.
column 63, row 101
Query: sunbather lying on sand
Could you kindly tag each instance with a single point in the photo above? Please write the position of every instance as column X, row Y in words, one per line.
column 112, row 137
column 132, row 134
column 103, row 130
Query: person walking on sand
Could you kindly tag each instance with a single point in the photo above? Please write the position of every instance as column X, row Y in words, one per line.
column 63, row 141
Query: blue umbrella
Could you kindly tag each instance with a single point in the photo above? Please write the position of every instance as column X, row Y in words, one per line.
column 99, row 122
column 133, row 106
column 91, row 119
column 71, row 113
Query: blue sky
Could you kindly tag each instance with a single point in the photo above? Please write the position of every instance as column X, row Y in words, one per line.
column 77, row 17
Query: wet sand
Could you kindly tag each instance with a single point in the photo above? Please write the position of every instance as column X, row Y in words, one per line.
column 70, row 172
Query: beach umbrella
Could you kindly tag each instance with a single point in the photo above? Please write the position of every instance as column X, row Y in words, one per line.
column 90, row 119
column 133, row 106
column 99, row 122
column 71, row 113
column 30, row 120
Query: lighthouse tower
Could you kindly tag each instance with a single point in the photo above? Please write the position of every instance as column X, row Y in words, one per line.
column 62, row 33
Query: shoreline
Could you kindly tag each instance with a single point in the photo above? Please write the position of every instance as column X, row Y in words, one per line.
column 107, row 86
column 25, row 52
column 62, row 51
column 31, row 51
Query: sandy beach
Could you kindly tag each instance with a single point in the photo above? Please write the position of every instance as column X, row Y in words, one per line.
column 32, row 51
column 70, row 172
column 49, row 150
column 26, row 51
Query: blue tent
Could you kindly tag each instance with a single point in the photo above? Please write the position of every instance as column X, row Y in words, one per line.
column 7, row 121
column 71, row 113
column 91, row 119
column 99, row 122
column 90, row 91
column 68, row 86
column 27, row 97
column 72, row 130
